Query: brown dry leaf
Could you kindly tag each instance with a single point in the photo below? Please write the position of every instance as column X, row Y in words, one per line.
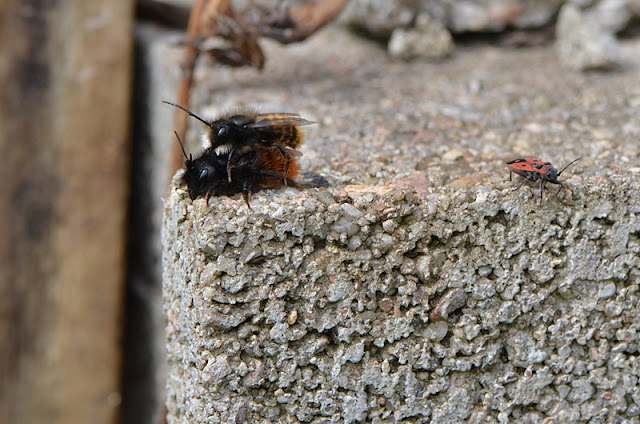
column 210, row 16
column 311, row 17
column 242, row 29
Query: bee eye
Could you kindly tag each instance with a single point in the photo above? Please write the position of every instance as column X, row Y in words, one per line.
column 204, row 174
column 222, row 131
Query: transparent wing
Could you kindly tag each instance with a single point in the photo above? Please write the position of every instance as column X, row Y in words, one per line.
column 265, row 120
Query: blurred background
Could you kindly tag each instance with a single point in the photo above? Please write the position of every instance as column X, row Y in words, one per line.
column 88, row 153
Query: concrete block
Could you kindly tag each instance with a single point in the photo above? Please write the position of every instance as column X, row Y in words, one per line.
column 418, row 287
column 377, row 304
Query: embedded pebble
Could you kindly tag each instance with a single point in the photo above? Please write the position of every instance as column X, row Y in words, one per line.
column 607, row 291
column 485, row 271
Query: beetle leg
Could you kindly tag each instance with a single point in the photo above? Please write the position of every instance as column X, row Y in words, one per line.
column 524, row 180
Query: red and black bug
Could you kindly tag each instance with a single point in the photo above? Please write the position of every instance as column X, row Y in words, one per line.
column 535, row 169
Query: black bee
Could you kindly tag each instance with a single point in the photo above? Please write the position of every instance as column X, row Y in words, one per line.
column 207, row 175
column 245, row 136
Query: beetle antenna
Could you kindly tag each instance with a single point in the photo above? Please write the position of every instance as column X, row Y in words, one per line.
column 182, row 146
column 573, row 161
column 208, row 124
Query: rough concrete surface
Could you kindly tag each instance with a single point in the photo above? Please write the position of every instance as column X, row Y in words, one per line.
column 419, row 287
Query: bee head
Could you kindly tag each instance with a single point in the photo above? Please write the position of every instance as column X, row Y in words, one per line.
column 223, row 133
column 205, row 175
column 222, row 130
column 200, row 174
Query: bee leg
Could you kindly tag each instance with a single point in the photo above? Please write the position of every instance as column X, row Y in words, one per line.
column 206, row 198
column 286, row 171
column 246, row 194
column 284, row 153
column 229, row 164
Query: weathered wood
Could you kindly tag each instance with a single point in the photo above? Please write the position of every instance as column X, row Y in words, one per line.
column 65, row 77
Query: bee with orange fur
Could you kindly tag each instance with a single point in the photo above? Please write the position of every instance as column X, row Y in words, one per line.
column 252, row 150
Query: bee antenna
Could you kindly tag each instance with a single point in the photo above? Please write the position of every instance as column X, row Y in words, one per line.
column 182, row 146
column 208, row 124
column 570, row 163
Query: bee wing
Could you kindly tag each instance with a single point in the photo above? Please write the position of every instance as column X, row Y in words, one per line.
column 294, row 153
column 265, row 120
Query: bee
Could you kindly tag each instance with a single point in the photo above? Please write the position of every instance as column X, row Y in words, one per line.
column 247, row 136
column 206, row 175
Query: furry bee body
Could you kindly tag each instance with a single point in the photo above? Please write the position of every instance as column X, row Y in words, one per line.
column 248, row 151
column 245, row 136
column 247, row 128
column 207, row 175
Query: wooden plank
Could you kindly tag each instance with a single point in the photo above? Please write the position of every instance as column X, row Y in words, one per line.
column 65, row 76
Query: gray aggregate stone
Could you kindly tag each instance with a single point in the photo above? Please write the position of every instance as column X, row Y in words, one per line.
column 584, row 42
column 585, row 30
column 428, row 39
